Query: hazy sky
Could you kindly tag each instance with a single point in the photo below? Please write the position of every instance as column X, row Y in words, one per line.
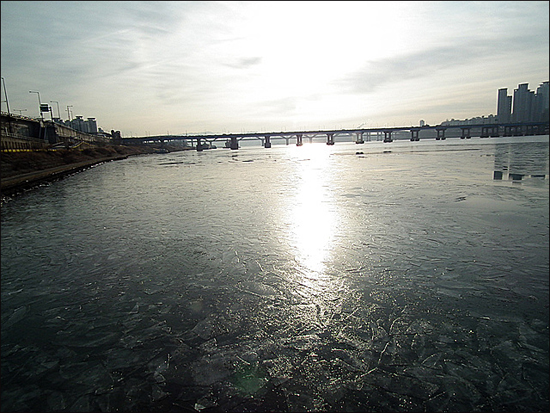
column 148, row 68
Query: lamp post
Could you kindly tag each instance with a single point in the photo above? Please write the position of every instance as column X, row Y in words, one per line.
column 58, row 112
column 39, row 104
column 6, row 94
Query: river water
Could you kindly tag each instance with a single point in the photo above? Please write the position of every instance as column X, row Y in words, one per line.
column 409, row 276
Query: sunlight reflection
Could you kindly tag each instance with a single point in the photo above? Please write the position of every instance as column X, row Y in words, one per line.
column 313, row 216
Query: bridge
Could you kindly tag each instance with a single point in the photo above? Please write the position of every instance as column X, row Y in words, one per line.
column 19, row 132
column 361, row 135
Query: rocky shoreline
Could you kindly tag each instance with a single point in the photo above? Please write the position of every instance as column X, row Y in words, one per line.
column 21, row 171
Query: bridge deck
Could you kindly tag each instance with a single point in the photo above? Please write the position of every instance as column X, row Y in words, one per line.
column 330, row 133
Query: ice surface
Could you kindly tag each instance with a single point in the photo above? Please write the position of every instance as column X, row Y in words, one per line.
column 185, row 289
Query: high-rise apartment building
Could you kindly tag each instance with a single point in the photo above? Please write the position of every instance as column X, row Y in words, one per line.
column 504, row 106
column 78, row 123
column 528, row 106
column 523, row 103
column 91, row 125
column 542, row 102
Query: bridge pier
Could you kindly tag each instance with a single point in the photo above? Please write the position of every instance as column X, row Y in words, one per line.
column 514, row 130
column 267, row 143
column 507, row 130
column 440, row 134
column 359, row 138
column 299, row 139
column 414, row 135
column 466, row 133
column 199, row 145
column 234, row 143
column 484, row 132
column 519, row 131
column 330, row 138
column 489, row 131
column 387, row 136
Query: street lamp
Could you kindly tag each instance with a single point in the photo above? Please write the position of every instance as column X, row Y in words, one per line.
column 6, row 94
column 39, row 104
column 58, row 112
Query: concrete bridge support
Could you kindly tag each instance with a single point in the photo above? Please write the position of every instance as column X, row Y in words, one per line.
column 512, row 130
column 199, row 145
column 387, row 136
column 466, row 133
column 359, row 138
column 532, row 130
column 440, row 134
column 330, row 138
column 519, row 131
column 489, row 131
column 508, row 131
column 299, row 141
column 414, row 135
column 540, row 130
column 234, row 143
column 267, row 143
column 484, row 132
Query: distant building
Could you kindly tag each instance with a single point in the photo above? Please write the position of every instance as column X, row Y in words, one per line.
column 77, row 123
column 504, row 106
column 525, row 106
column 422, row 123
column 116, row 137
column 524, row 100
column 91, row 125
column 528, row 106
column 542, row 102
column 479, row 120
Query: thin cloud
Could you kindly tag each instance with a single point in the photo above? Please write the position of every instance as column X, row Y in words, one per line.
column 374, row 75
column 245, row 62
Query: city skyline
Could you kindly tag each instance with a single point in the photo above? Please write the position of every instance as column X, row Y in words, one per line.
column 225, row 67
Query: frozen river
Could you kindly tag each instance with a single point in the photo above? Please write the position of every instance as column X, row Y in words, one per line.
column 410, row 276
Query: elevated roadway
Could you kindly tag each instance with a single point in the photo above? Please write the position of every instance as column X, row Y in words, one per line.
column 362, row 134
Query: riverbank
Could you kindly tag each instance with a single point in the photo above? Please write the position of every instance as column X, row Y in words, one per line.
column 24, row 170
